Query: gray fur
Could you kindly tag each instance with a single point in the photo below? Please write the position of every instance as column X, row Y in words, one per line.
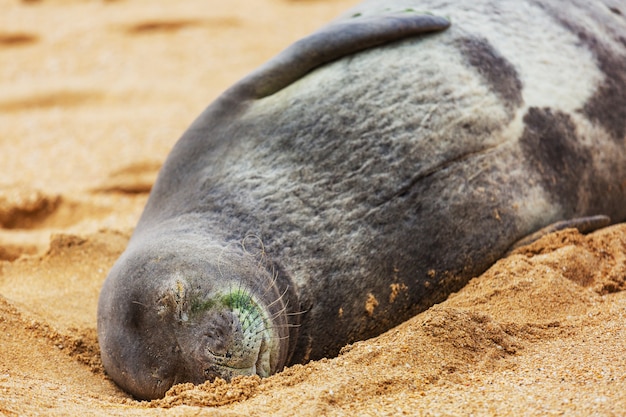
column 376, row 184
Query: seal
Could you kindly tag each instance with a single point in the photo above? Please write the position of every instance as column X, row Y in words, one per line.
column 363, row 175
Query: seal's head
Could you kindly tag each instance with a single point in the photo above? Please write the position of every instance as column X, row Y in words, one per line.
column 189, row 315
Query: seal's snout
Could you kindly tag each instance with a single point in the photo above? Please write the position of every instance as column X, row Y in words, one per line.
column 226, row 335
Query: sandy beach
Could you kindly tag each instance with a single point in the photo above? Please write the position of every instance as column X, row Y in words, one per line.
column 93, row 95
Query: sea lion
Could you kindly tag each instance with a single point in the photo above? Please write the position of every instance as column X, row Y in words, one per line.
column 363, row 175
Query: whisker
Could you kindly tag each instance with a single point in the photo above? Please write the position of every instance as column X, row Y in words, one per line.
column 261, row 254
column 279, row 298
column 275, row 316
column 272, row 283
column 141, row 304
column 297, row 313
column 282, row 326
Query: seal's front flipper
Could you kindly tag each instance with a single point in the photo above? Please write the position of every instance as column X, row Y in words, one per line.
column 334, row 41
column 583, row 224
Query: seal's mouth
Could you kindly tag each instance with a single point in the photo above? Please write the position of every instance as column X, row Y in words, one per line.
column 226, row 372
column 263, row 363
column 242, row 343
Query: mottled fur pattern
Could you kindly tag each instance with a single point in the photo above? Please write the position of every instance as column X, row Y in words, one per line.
column 397, row 173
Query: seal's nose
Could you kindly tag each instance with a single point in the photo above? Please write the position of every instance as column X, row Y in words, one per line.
column 223, row 333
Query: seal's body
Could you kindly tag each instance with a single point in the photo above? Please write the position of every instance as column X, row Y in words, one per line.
column 362, row 176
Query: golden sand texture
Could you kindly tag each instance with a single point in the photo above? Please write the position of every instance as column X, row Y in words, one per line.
column 93, row 96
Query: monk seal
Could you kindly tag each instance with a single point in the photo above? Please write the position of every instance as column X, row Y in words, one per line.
column 362, row 175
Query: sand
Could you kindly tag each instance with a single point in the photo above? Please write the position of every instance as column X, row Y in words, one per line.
column 93, row 96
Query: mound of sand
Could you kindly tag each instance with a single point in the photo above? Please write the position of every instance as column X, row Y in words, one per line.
column 94, row 96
